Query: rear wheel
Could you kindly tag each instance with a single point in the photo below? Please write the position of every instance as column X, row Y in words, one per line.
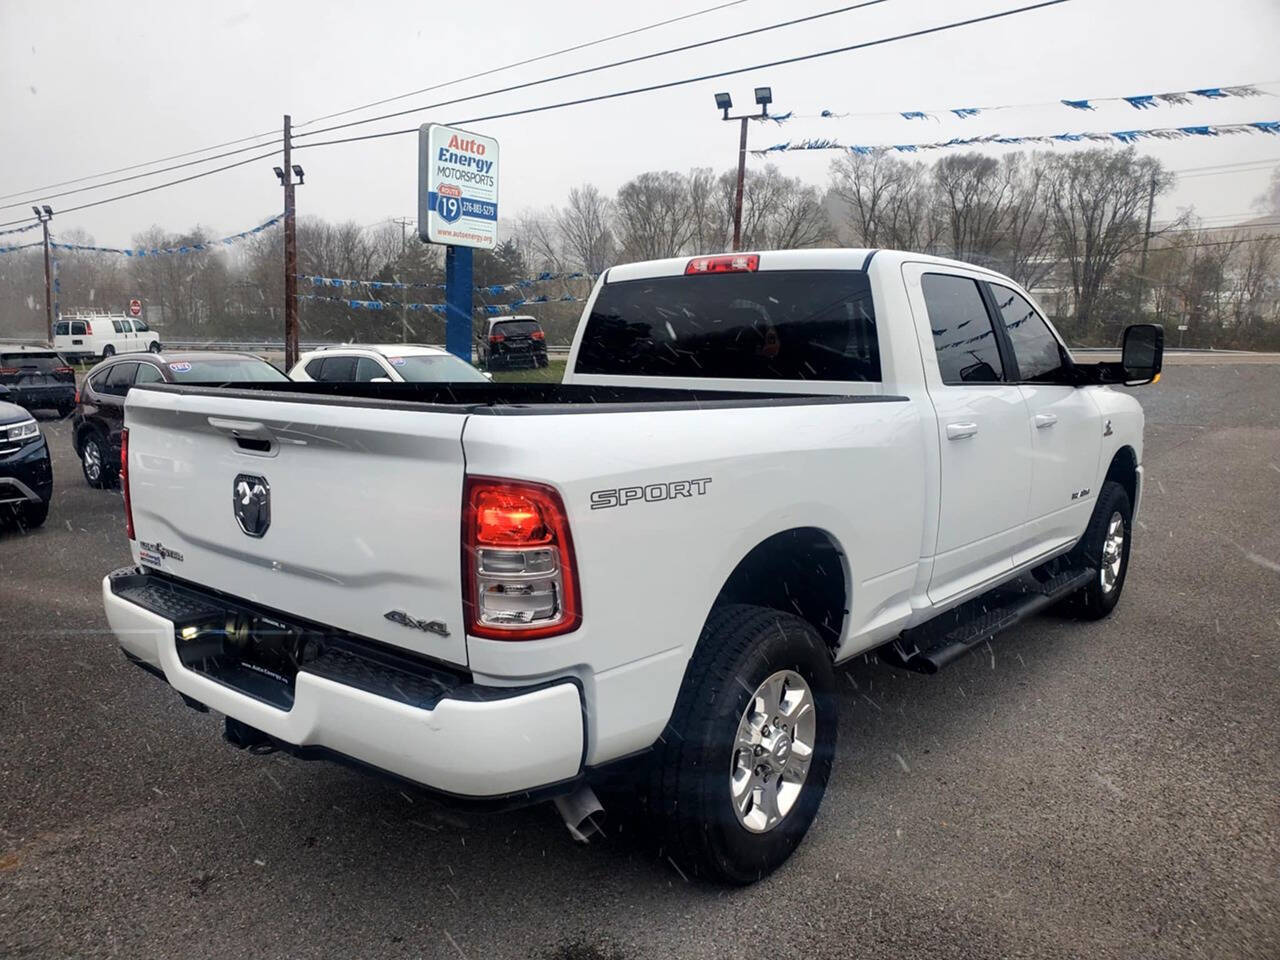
column 1105, row 548
column 108, row 351
column 98, row 470
column 65, row 410
column 743, row 764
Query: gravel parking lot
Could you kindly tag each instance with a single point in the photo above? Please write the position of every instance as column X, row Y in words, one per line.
column 1109, row 789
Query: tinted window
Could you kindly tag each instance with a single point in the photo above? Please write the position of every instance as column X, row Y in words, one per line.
column 77, row 328
column 313, row 368
column 224, row 370
column 962, row 333
column 32, row 362
column 775, row 325
column 119, row 325
column 61, row 329
column 367, row 369
column 141, row 326
column 120, row 378
column 341, row 369
column 436, row 368
column 515, row 328
column 147, row 373
column 1034, row 346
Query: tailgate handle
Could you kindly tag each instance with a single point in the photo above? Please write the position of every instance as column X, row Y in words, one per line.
column 249, row 435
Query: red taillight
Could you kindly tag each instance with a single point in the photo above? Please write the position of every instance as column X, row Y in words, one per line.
column 538, row 335
column 88, row 329
column 731, row 263
column 77, row 396
column 9, row 371
column 520, row 579
column 63, row 370
column 496, row 338
column 124, row 481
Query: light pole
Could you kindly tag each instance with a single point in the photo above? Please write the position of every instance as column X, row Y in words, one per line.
column 764, row 97
column 44, row 215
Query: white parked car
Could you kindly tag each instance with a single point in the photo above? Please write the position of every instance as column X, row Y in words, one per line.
column 387, row 362
column 759, row 466
column 101, row 335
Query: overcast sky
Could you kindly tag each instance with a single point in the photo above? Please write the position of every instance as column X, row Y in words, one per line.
column 90, row 86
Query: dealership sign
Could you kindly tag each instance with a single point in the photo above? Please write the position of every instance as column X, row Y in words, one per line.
column 457, row 187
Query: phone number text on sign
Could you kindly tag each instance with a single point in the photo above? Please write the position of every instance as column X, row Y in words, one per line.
column 457, row 187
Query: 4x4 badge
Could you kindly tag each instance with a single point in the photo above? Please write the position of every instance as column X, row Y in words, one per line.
column 251, row 501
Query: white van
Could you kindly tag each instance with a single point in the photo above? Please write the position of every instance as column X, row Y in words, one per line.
column 103, row 335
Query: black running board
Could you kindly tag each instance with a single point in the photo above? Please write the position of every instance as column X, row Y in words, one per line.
column 946, row 638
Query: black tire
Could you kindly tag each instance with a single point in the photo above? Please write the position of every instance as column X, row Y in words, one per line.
column 1102, row 594
column 66, row 409
column 108, row 351
column 31, row 515
column 155, row 346
column 689, row 784
column 105, row 473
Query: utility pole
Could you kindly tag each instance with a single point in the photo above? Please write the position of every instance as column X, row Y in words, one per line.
column 1146, row 243
column 44, row 216
column 290, row 248
column 404, row 239
column 764, row 97
column 404, row 309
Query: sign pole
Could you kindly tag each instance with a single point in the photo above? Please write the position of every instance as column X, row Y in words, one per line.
column 458, row 289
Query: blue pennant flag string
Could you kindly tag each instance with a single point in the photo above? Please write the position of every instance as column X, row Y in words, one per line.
column 1121, row 136
column 491, row 290
column 21, row 246
column 185, row 248
column 30, row 226
column 1144, row 101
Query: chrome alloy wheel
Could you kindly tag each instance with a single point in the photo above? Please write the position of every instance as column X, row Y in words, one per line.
column 1112, row 553
column 773, row 751
column 92, row 460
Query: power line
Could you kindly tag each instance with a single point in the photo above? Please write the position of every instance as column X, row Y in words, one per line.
column 140, row 176
column 525, row 62
column 707, row 76
column 447, row 83
column 157, row 186
column 605, row 66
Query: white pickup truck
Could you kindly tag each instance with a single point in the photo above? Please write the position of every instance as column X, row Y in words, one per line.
column 758, row 466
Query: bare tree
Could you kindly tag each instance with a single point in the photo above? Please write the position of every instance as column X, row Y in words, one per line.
column 1269, row 200
column 653, row 217
column 1098, row 200
column 538, row 237
column 887, row 201
column 584, row 228
column 710, row 213
column 778, row 212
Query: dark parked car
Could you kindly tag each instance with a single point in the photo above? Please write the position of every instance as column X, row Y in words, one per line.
column 26, row 474
column 37, row 378
column 512, row 342
column 100, row 407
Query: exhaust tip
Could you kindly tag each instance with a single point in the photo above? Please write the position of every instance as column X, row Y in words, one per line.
column 581, row 812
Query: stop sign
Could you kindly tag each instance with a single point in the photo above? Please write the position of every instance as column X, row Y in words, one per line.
column 135, row 308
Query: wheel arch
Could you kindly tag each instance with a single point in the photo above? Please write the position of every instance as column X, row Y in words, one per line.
column 802, row 571
column 1123, row 469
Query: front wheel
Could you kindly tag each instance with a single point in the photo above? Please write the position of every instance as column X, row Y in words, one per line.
column 743, row 764
column 1105, row 548
column 155, row 346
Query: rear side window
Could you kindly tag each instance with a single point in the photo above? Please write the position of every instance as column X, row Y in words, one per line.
column 119, row 325
column 1035, row 347
column 338, row 369
column 77, row 328
column 120, row 378
column 963, row 336
column 771, row 325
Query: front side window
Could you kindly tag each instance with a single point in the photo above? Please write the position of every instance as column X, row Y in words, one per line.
column 61, row 329
column 141, row 327
column 1039, row 355
column 768, row 325
column 436, row 368
column 368, row 369
column 225, row 370
column 147, row 373
column 963, row 336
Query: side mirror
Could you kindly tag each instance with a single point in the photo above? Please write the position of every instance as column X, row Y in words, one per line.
column 1142, row 356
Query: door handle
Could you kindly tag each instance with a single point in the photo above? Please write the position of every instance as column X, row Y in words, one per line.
column 1045, row 420
column 961, row 431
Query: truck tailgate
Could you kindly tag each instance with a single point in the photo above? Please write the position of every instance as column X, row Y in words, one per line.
column 362, row 518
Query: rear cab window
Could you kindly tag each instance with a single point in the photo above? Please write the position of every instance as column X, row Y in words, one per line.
column 963, row 335
column 767, row 325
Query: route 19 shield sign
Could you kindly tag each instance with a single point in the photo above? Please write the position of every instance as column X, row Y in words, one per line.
column 457, row 187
